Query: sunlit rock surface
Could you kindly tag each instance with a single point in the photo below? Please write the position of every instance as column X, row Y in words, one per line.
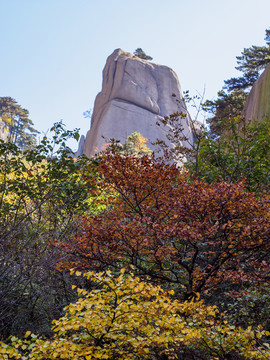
column 3, row 133
column 135, row 94
column 257, row 106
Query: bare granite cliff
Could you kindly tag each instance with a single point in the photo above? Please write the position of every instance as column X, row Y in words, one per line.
column 257, row 106
column 135, row 94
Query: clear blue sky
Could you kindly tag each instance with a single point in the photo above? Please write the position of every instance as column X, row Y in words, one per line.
column 53, row 51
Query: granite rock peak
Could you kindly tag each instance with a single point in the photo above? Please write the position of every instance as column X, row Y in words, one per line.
column 135, row 94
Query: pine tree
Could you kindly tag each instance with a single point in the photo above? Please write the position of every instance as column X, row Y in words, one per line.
column 141, row 54
column 251, row 63
column 19, row 127
column 231, row 99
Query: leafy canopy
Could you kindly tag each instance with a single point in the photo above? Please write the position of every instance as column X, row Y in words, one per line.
column 180, row 231
column 43, row 190
column 244, row 153
column 126, row 318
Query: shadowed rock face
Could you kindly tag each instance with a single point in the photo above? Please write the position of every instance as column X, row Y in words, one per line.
column 257, row 106
column 135, row 94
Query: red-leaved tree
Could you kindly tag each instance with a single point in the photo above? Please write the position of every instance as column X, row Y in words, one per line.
column 178, row 230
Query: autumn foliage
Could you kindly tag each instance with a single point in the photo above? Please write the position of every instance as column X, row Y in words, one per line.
column 126, row 318
column 182, row 232
column 158, row 249
column 42, row 192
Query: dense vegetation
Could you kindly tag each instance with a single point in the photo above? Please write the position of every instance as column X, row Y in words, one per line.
column 42, row 189
column 130, row 256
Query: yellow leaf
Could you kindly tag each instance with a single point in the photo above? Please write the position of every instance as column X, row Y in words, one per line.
column 27, row 334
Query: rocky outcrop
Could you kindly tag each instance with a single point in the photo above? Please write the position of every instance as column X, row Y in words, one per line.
column 80, row 147
column 135, row 94
column 257, row 106
column 3, row 132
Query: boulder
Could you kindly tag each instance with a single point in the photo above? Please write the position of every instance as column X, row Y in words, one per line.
column 135, row 94
column 257, row 106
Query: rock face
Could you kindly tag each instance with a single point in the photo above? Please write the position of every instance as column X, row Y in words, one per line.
column 3, row 133
column 257, row 106
column 80, row 147
column 135, row 94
